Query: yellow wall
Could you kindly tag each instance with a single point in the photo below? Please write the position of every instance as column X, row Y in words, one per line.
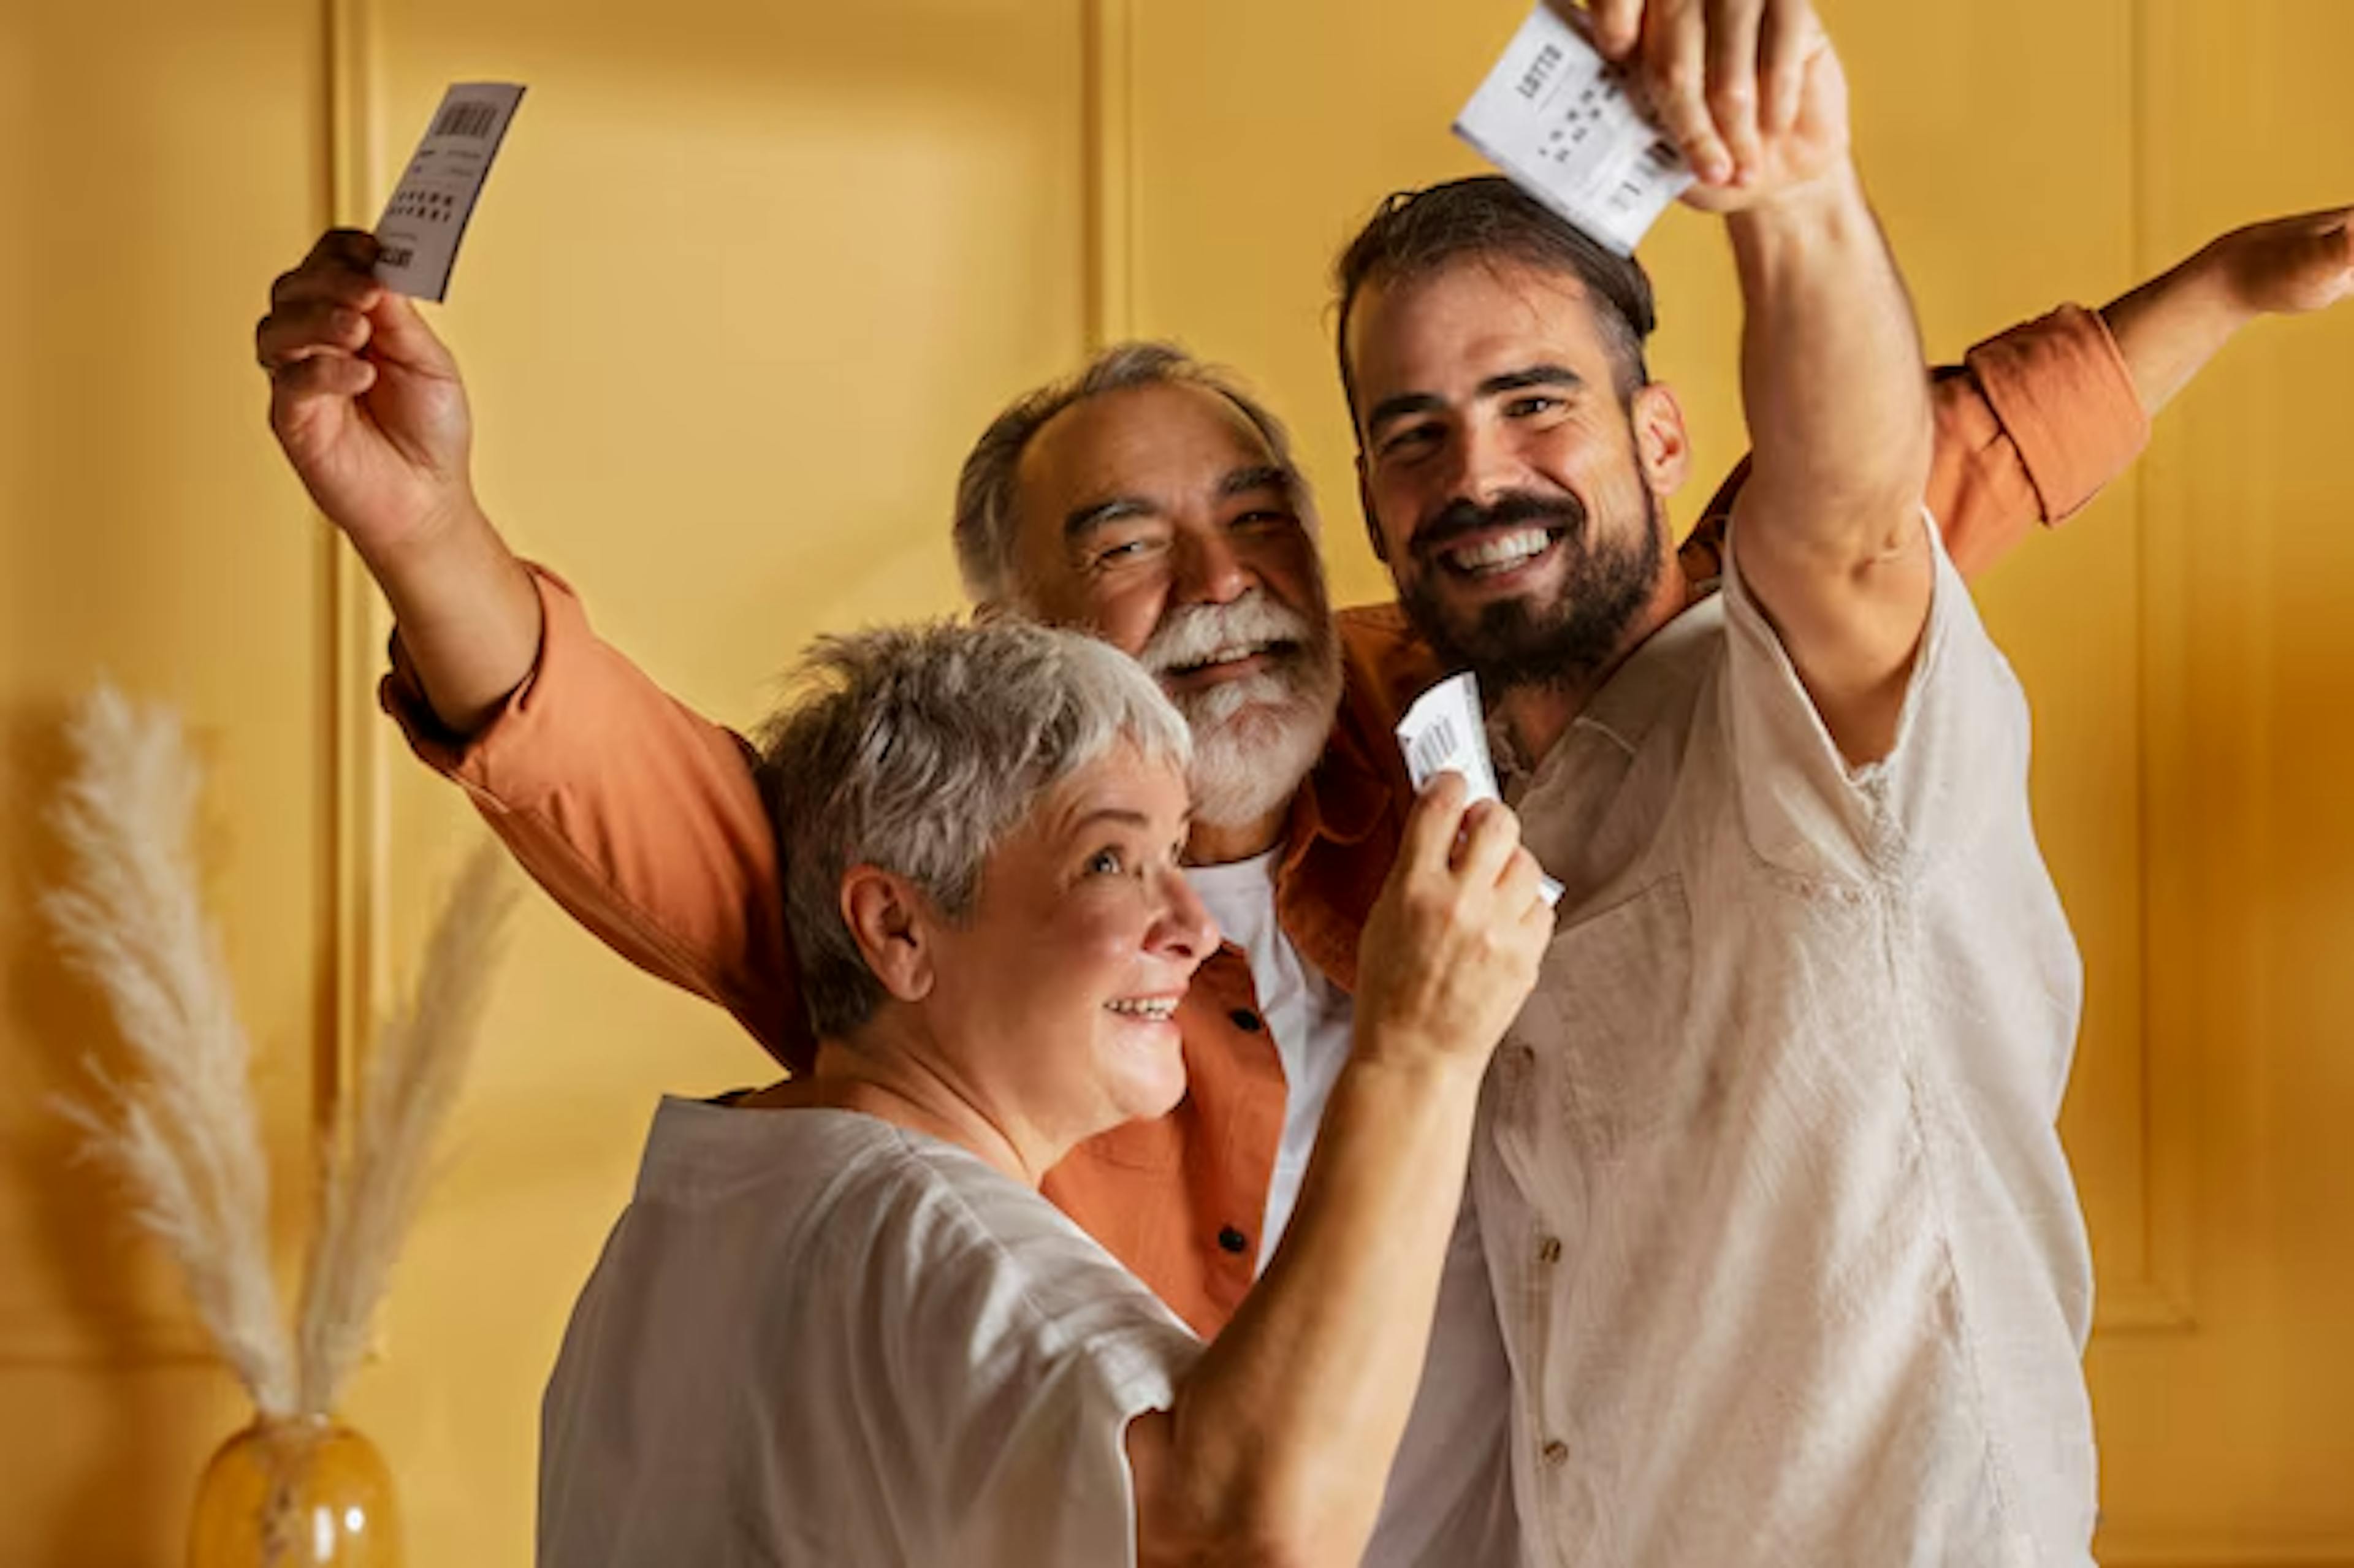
column 753, row 272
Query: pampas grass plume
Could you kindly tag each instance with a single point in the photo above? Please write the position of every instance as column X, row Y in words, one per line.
column 180, row 1128
column 379, row 1163
column 180, row 1132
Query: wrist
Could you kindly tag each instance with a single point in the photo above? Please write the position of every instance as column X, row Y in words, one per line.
column 1831, row 203
column 1427, row 1060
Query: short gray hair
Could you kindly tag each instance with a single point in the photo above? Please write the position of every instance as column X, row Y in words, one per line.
column 916, row 749
column 987, row 526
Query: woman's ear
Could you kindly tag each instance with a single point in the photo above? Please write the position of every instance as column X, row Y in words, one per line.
column 887, row 919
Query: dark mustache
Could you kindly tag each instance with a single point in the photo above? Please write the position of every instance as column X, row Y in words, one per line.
column 1462, row 516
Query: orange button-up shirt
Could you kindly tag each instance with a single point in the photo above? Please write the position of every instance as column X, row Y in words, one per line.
column 641, row 819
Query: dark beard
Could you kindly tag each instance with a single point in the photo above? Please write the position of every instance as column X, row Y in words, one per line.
column 1567, row 642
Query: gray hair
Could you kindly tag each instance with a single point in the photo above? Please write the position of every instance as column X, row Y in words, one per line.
column 987, row 525
column 916, row 749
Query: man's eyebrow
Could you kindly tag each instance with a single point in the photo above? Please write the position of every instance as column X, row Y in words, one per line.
column 1533, row 376
column 1399, row 406
column 1520, row 380
column 1259, row 476
column 1086, row 520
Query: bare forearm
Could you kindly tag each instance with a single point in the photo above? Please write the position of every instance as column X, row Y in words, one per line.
column 2168, row 329
column 1281, row 1439
column 468, row 616
column 1837, row 402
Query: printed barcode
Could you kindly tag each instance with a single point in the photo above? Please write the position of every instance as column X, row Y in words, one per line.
column 1432, row 748
column 473, row 121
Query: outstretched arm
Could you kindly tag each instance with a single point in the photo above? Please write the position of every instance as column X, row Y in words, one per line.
column 2172, row 325
column 640, row 816
column 2037, row 421
column 368, row 407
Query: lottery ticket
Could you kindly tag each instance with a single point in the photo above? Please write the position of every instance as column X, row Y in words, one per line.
column 427, row 215
column 1444, row 730
column 1560, row 119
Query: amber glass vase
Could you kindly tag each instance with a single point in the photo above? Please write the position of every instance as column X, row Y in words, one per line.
column 295, row 1492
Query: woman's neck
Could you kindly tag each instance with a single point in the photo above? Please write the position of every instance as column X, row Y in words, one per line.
column 882, row 1077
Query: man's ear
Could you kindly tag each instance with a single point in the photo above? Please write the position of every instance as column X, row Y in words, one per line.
column 1662, row 445
column 890, row 922
column 1365, row 506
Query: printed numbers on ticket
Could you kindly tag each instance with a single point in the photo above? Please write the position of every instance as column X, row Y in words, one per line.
column 1444, row 730
column 1558, row 118
column 427, row 215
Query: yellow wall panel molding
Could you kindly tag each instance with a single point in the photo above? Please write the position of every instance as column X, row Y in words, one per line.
column 358, row 622
column 1111, row 183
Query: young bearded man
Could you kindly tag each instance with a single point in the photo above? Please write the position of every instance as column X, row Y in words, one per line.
column 1788, row 1259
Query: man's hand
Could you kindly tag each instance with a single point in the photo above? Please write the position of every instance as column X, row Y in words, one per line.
column 1750, row 90
column 2289, row 266
column 1451, row 948
column 364, row 399
column 2168, row 329
column 368, row 406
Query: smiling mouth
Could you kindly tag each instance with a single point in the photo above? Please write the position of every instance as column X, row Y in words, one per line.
column 1498, row 554
column 1228, row 658
column 1151, row 1009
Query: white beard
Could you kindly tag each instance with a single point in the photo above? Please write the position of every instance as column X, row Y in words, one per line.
column 1255, row 739
column 1254, row 742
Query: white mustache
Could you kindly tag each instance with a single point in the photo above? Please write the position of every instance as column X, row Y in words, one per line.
column 1196, row 633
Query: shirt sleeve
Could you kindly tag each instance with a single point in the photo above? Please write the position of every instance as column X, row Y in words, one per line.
column 1960, row 751
column 2031, row 426
column 1029, row 1351
column 637, row 815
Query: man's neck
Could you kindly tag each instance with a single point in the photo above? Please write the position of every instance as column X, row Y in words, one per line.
column 1539, row 715
column 1223, row 843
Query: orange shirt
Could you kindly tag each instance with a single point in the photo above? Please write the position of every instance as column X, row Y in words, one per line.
column 640, row 817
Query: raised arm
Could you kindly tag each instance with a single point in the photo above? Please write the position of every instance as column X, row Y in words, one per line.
column 1829, row 534
column 640, row 817
column 368, row 407
column 1279, row 1443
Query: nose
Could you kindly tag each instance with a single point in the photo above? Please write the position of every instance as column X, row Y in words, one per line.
column 1479, row 465
column 1210, row 569
column 1184, row 932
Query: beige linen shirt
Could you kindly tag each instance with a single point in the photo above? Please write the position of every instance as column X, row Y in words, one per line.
column 1786, row 1254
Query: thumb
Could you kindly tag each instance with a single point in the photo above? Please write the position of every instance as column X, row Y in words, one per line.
column 398, row 336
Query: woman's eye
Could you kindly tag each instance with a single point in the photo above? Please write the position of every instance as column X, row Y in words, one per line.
column 1105, row 862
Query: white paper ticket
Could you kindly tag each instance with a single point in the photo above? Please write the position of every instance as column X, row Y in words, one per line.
column 1444, row 730
column 427, row 215
column 1558, row 118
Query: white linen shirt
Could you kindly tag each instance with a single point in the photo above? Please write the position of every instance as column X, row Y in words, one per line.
column 1789, row 1260
column 1448, row 1500
column 817, row 1339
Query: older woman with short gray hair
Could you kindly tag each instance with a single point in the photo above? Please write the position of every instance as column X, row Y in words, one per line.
column 839, row 1325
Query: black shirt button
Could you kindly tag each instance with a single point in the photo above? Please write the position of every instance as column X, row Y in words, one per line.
column 1232, row 1240
column 1245, row 1019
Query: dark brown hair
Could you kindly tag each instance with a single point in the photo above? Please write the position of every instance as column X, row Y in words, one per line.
column 1416, row 233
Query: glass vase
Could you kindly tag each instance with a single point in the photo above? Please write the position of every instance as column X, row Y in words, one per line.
column 298, row 1490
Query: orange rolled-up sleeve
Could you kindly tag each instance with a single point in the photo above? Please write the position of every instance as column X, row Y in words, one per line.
column 2031, row 426
column 640, row 817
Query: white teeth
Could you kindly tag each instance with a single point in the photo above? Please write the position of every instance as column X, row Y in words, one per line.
column 1230, row 654
column 1158, row 1009
column 1507, row 550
